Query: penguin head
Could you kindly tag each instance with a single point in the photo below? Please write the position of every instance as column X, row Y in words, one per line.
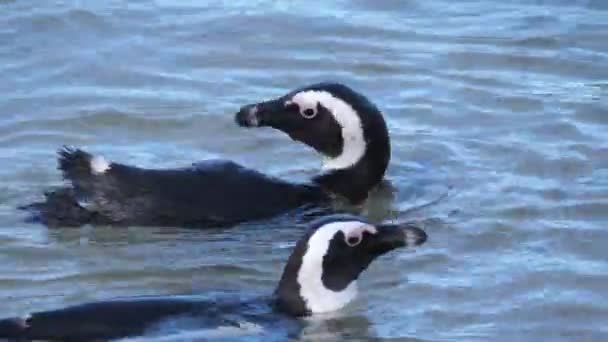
column 335, row 120
column 321, row 273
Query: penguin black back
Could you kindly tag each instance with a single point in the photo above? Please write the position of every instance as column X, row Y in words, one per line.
column 210, row 193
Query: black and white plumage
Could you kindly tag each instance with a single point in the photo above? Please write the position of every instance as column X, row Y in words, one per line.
column 336, row 121
column 319, row 277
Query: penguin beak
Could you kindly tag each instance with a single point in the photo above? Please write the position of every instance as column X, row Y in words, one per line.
column 259, row 114
column 392, row 236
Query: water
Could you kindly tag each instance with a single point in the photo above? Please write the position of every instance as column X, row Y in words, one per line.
column 506, row 101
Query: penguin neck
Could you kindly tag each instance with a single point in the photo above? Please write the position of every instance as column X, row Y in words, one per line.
column 301, row 290
column 356, row 181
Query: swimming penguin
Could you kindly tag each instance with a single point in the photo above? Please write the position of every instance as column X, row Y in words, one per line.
column 320, row 276
column 338, row 122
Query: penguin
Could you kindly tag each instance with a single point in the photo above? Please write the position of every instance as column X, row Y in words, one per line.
column 341, row 124
column 320, row 277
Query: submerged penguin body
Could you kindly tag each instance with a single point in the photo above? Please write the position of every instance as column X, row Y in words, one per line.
column 209, row 193
column 115, row 319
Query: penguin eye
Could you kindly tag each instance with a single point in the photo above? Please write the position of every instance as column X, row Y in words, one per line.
column 354, row 240
column 308, row 113
column 355, row 236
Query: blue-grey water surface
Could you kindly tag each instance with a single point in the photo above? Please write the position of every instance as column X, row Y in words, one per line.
column 505, row 101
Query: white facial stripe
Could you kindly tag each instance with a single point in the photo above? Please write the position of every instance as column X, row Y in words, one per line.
column 99, row 165
column 352, row 129
column 318, row 298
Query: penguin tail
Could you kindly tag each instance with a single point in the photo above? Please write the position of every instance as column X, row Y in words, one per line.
column 61, row 207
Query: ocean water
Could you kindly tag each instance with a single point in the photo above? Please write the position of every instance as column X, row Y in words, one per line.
column 504, row 102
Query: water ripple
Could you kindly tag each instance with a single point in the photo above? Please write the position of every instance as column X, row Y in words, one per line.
column 503, row 102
